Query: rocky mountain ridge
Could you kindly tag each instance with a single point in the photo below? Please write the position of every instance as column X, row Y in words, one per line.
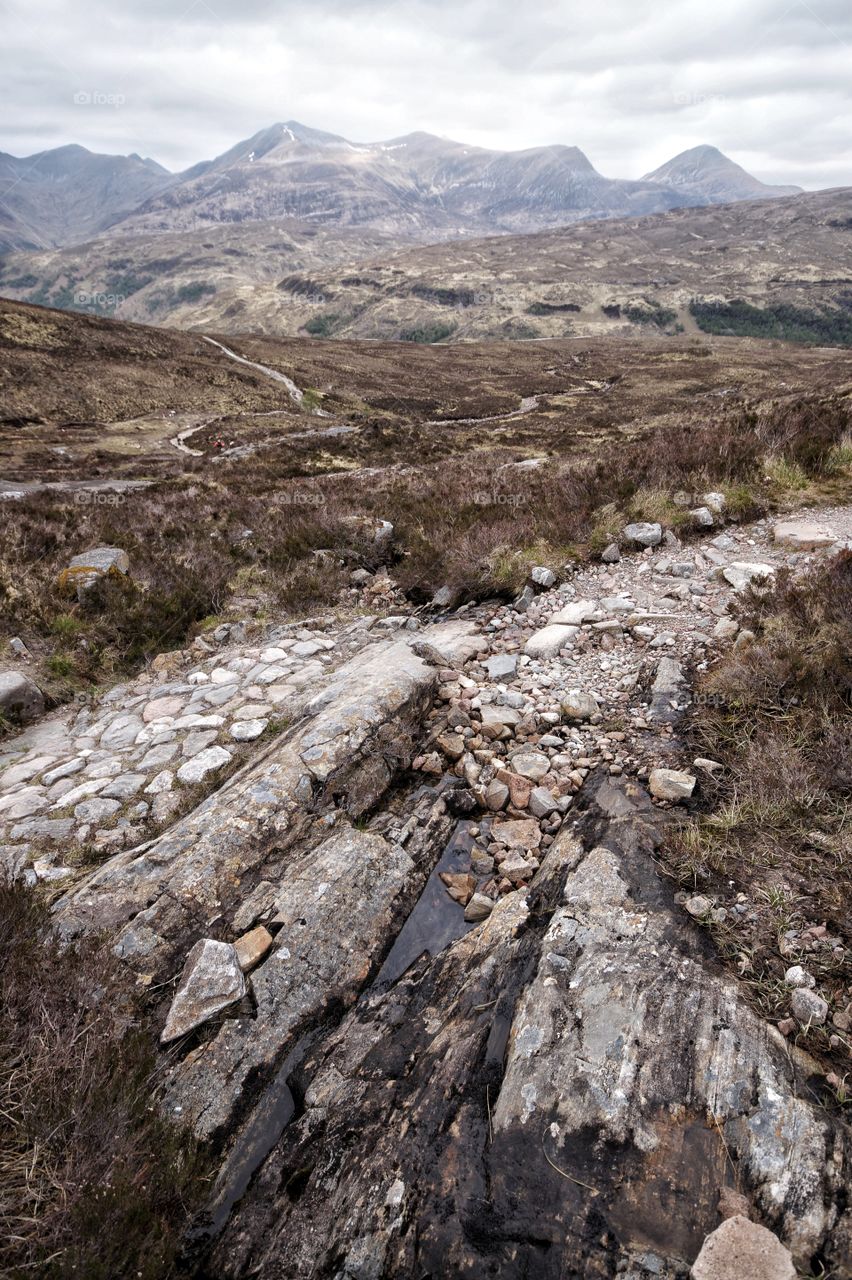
column 418, row 185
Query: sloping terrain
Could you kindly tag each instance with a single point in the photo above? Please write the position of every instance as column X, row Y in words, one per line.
column 68, row 194
column 418, row 186
column 786, row 264
column 705, row 171
column 438, row 760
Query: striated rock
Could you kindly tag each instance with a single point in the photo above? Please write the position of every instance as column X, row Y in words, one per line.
column 334, row 911
column 611, row 554
column 576, row 1056
column 740, row 1249
column 211, row 981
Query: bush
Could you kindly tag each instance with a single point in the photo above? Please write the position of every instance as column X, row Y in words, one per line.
column 437, row 332
column 193, row 292
column 778, row 715
column 93, row 1182
column 825, row 327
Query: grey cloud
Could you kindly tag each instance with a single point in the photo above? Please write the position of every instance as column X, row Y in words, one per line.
column 629, row 81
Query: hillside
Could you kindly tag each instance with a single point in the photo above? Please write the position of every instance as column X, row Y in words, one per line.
column 67, row 194
column 418, row 759
column 714, row 178
column 619, row 277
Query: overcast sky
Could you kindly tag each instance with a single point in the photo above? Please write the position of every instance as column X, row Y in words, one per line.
column 631, row 82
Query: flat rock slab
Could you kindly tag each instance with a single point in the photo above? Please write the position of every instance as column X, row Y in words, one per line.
column 448, row 644
column 547, row 642
column 575, row 614
column 802, row 535
column 211, row 981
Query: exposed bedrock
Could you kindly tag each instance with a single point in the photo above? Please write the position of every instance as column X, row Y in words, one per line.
column 160, row 897
column 564, row 1092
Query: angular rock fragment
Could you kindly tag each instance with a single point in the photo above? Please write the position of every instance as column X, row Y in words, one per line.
column 671, row 784
column 743, row 1250
column 211, row 981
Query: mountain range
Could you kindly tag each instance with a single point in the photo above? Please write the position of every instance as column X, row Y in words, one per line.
column 417, row 187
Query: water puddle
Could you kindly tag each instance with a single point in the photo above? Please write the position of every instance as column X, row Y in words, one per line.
column 437, row 920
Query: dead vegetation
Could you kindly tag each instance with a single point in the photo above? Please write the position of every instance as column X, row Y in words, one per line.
column 93, row 1182
column 267, row 532
column 777, row 825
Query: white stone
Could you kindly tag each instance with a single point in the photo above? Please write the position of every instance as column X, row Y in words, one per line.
column 206, row 762
column 247, row 730
column 671, row 784
column 744, row 573
column 547, row 642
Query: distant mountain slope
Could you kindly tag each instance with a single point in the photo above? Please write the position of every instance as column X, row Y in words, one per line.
column 706, row 172
column 418, row 186
column 640, row 275
column 67, row 194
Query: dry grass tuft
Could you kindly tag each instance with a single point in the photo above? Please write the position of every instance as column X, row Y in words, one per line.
column 93, row 1182
column 778, row 826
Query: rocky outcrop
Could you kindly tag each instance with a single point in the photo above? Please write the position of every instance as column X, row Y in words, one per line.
column 565, row 1091
column 355, row 733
